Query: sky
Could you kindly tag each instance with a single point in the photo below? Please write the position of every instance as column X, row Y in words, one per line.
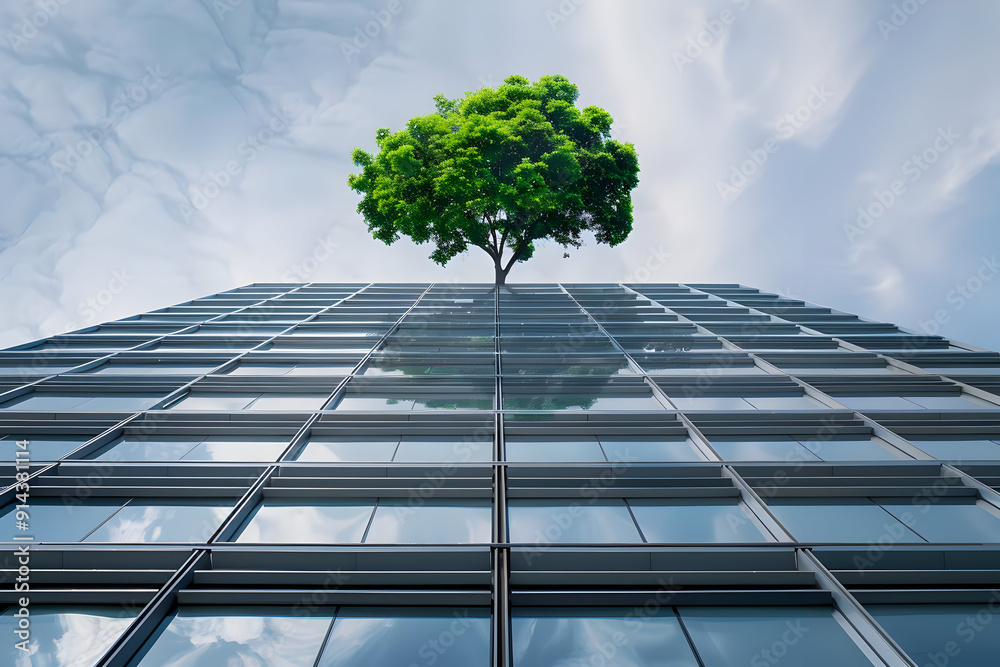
column 846, row 153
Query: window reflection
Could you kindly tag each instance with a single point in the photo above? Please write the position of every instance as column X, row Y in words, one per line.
column 41, row 447
column 387, row 636
column 609, row 636
column 927, row 631
column 161, row 522
column 726, row 636
column 708, row 520
column 564, row 521
column 217, row 636
column 314, row 522
column 407, row 521
column 64, row 636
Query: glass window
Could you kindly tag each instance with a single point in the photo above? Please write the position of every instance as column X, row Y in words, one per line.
column 962, row 402
column 728, row 636
column 960, row 449
column 710, row 403
column 583, row 449
column 848, row 520
column 291, row 369
column 563, row 521
column 782, row 448
column 468, row 401
column 707, row 520
column 863, row 403
column 245, row 448
column 262, row 369
column 282, row 401
column 942, row 634
column 406, row 521
column 119, row 402
column 64, row 636
column 641, row 448
column 42, row 447
column 785, row 403
column 944, row 520
column 321, row 369
column 311, row 522
column 367, row 402
column 606, row 636
column 357, row 449
column 214, row 401
column 52, row 520
column 259, row 636
column 161, row 521
column 836, row 449
column 44, row 401
column 152, row 369
column 405, row 636
column 581, row 401
column 140, row 448
column 426, row 449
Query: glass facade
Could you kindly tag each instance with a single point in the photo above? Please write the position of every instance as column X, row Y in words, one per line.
column 335, row 474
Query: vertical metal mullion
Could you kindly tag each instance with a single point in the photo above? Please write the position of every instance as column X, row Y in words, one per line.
column 154, row 613
column 878, row 640
column 500, row 554
column 687, row 636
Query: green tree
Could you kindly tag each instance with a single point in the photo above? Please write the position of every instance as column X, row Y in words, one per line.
column 500, row 169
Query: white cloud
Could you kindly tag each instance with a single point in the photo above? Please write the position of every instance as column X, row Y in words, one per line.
column 128, row 203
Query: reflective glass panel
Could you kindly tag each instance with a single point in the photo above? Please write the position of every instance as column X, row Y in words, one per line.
column 848, row 450
column 161, row 522
column 243, row 636
column 417, row 449
column 311, row 522
column 355, row 449
column 785, row 403
column 155, row 448
column 214, row 401
column 942, row 634
column 942, row 520
column 963, row 402
column 710, row 403
column 876, row 403
column 562, row 521
column 848, row 520
column 673, row 522
column 730, row 636
column 64, row 636
column 283, row 401
column 44, row 401
column 960, row 450
column 52, row 520
column 648, row 448
column 782, row 448
column 367, row 402
column 42, row 447
column 152, row 369
column 406, row 636
column 246, row 448
column 608, row 636
column 401, row 521
column 584, row 449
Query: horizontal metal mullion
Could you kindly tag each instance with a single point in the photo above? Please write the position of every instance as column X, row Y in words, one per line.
column 334, row 597
column 728, row 598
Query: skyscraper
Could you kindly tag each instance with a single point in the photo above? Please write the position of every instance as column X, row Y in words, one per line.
column 555, row 474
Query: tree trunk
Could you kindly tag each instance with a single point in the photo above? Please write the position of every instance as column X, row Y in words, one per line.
column 501, row 275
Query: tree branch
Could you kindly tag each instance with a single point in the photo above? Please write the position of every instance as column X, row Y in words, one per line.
column 522, row 244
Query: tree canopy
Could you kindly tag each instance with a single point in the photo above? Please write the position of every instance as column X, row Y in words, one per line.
column 500, row 169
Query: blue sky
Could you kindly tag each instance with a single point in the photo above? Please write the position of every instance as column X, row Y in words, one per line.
column 153, row 151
